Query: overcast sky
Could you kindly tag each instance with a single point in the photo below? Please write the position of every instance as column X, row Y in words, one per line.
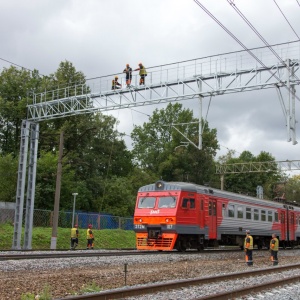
column 100, row 36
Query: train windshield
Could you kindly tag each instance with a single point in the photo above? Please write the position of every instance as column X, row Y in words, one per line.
column 166, row 202
column 146, row 202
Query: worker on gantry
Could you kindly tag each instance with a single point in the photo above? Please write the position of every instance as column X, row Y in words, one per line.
column 115, row 84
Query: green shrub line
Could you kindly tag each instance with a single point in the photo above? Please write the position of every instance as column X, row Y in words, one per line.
column 41, row 238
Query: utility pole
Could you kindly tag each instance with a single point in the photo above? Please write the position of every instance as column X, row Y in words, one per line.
column 57, row 193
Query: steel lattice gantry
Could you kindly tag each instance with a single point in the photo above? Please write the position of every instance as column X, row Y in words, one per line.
column 194, row 79
column 256, row 167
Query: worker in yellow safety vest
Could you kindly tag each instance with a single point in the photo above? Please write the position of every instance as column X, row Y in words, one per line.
column 90, row 237
column 115, row 84
column 248, row 248
column 142, row 73
column 74, row 237
column 274, row 246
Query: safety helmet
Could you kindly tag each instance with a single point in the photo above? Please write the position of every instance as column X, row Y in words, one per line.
column 116, row 77
column 90, row 225
column 247, row 231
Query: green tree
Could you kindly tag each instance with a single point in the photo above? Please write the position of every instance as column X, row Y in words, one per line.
column 156, row 146
column 118, row 197
column 292, row 189
column 16, row 87
column 8, row 174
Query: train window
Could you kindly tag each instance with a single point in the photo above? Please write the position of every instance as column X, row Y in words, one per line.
column 240, row 212
column 223, row 210
column 214, row 209
column 263, row 215
column 276, row 217
column 201, row 204
column 209, row 208
column 270, row 216
column 248, row 213
column 256, row 214
column 146, row 202
column 166, row 202
column 292, row 219
column 185, row 202
column 191, row 202
column 231, row 210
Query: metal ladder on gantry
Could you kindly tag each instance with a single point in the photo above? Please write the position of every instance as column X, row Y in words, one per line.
column 193, row 79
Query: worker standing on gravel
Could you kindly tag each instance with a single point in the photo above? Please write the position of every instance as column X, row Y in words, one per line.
column 74, row 237
column 90, row 237
column 274, row 243
column 248, row 248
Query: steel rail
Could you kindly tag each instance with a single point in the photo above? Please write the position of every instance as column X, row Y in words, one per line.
column 70, row 254
column 163, row 287
column 250, row 290
column 92, row 253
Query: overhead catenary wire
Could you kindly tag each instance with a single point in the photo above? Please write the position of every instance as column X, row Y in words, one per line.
column 233, row 5
column 12, row 63
column 287, row 19
column 238, row 41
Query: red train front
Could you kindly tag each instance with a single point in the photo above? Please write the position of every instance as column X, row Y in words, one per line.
column 179, row 215
column 165, row 218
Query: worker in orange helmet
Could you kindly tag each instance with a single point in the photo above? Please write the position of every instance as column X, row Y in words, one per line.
column 128, row 72
column 115, row 84
column 90, row 237
column 74, row 237
column 248, row 248
column 142, row 73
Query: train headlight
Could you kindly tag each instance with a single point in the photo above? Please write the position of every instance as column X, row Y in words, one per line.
column 140, row 220
column 167, row 220
column 159, row 185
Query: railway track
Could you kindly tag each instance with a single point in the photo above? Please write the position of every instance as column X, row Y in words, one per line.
column 179, row 284
column 93, row 253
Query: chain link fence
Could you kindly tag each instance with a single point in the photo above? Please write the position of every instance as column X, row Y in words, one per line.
column 119, row 227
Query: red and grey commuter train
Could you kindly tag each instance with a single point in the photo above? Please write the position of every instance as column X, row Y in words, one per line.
column 181, row 215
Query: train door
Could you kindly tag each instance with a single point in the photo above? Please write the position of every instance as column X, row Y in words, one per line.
column 292, row 225
column 212, row 217
column 283, row 225
column 201, row 216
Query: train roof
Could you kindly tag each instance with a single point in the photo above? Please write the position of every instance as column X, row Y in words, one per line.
column 191, row 187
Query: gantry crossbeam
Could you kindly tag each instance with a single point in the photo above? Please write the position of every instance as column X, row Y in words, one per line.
column 258, row 167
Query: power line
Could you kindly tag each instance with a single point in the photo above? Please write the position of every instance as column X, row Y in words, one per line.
column 298, row 2
column 239, row 42
column 254, row 29
column 257, row 33
column 18, row 65
column 287, row 19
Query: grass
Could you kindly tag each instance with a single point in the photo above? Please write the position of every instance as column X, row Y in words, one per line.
column 44, row 295
column 41, row 238
column 91, row 288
